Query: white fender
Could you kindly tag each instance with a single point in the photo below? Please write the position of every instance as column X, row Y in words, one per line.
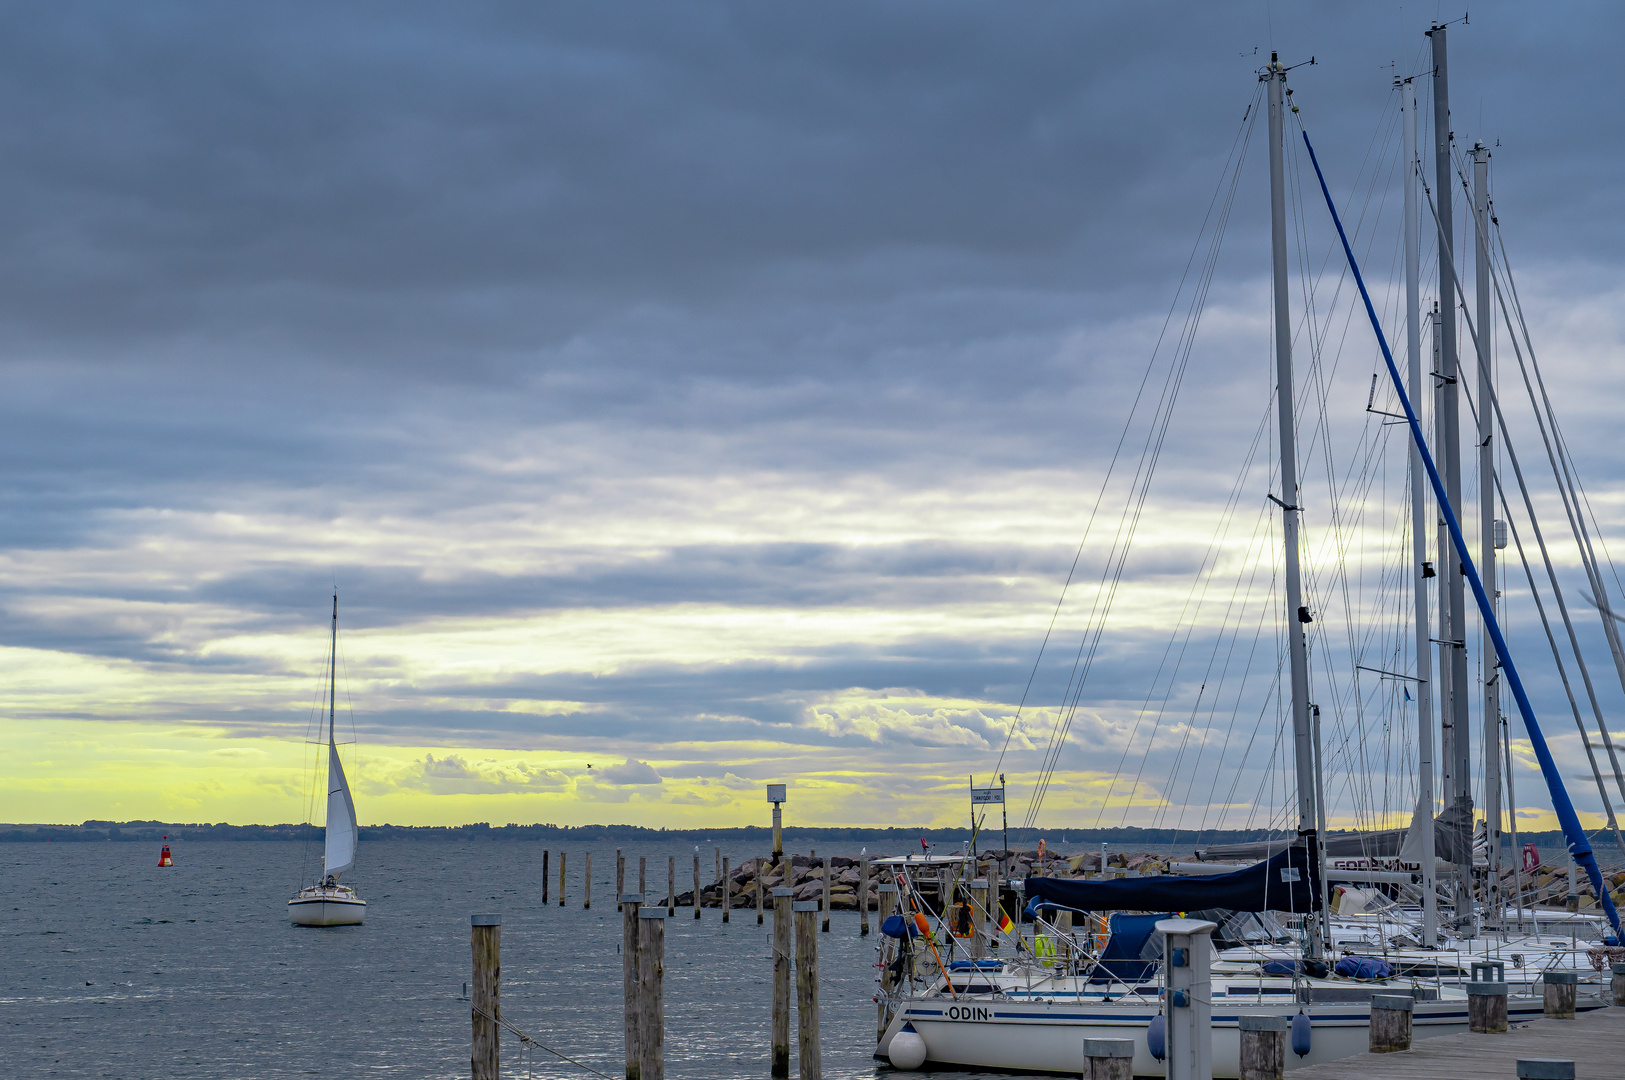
column 907, row 1050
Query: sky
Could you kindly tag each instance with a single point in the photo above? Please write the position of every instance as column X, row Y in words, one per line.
column 687, row 397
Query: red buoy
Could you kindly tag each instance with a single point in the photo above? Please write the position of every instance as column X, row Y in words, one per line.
column 163, row 857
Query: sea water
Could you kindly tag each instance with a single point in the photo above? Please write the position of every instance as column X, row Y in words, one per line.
column 115, row 967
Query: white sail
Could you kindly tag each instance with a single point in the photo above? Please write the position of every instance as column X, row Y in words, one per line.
column 341, row 827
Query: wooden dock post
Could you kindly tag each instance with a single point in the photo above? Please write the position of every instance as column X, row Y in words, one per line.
column 863, row 897
column 888, row 904
column 718, row 853
column 1560, row 990
column 630, row 982
column 782, row 898
column 561, row 879
column 812, row 1060
column 544, row 875
column 727, row 891
column 1391, row 1023
column 1616, row 985
column 1263, row 1047
column 620, row 877
column 1108, row 1059
column 485, row 939
column 651, row 994
column 761, row 875
column 671, row 884
column 829, row 880
column 643, row 875
column 1487, row 1007
column 586, row 880
column 696, row 884
column 995, row 895
column 978, row 918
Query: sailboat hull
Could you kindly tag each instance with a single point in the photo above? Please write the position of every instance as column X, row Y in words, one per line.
column 327, row 907
column 1047, row 1037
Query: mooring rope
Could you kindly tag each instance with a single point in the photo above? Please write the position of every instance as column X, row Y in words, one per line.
column 525, row 1039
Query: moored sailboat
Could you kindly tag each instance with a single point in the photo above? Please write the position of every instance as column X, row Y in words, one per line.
column 328, row 902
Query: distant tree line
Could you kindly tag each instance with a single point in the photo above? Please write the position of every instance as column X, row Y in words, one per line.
column 899, row 839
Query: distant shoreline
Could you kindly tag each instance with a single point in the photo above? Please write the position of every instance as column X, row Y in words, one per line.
column 1121, row 838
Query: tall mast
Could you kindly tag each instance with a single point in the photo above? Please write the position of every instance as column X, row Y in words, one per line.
column 1296, row 613
column 1454, row 722
column 1419, row 538
column 1486, row 525
column 332, row 670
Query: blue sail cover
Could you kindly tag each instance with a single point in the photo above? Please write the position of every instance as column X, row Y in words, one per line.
column 1288, row 881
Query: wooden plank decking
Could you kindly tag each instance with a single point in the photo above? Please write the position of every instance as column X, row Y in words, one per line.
column 1595, row 1043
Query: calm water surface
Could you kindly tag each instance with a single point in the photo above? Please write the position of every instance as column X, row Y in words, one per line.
column 113, row 967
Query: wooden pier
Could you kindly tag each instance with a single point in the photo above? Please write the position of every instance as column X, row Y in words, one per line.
column 1595, row 1043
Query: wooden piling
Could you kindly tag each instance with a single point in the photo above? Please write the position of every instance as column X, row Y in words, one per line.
column 727, row 891
column 671, row 884
column 1487, row 1007
column 1391, row 1016
column 1616, row 983
column 485, row 940
column 586, row 881
column 761, row 875
column 1108, row 1059
column 888, row 904
column 829, row 875
column 643, row 875
column 651, row 995
column 544, row 875
column 620, row 877
column 805, row 913
column 630, row 984
column 863, row 898
column 978, row 918
column 1560, row 990
column 995, row 895
column 561, row 879
column 696, row 884
column 718, row 853
column 1263, row 1047
column 781, row 981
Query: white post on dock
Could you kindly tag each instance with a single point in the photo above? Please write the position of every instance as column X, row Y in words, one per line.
column 775, row 795
column 812, row 1061
column 782, row 898
column 1187, row 964
column 651, row 994
column 630, row 902
column 486, row 1008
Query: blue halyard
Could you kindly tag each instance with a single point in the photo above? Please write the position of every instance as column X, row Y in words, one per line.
column 1579, row 847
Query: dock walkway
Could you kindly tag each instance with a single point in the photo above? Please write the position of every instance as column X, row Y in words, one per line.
column 1595, row 1043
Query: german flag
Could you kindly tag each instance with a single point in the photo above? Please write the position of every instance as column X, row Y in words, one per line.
column 1005, row 925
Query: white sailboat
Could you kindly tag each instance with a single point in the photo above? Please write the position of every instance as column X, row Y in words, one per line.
column 327, row 902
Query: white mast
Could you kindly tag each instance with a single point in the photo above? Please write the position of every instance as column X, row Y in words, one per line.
column 339, row 850
column 1297, row 613
column 1486, row 527
column 1419, row 507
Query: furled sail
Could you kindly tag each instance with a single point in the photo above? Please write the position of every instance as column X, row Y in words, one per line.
column 341, row 827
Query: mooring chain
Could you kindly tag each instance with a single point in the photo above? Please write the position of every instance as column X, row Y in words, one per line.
column 532, row 1040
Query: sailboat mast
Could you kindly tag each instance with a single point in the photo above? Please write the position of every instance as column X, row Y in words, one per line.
column 1453, row 585
column 1486, row 526
column 1297, row 614
column 1419, row 537
column 332, row 671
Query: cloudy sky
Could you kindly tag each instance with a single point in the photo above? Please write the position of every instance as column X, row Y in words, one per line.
column 714, row 394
